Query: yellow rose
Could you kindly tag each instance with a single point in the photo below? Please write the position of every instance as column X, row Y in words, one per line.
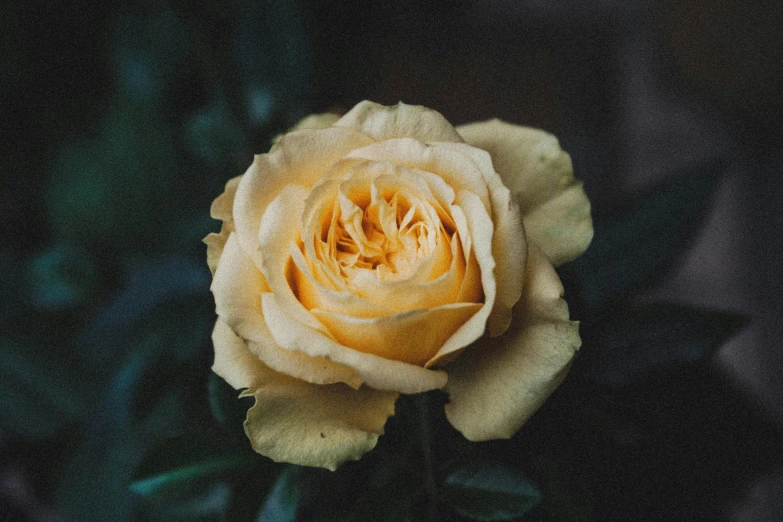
column 387, row 252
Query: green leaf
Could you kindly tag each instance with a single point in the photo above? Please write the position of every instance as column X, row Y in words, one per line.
column 63, row 277
column 215, row 137
column 185, row 475
column 250, row 490
column 488, row 491
column 624, row 345
column 93, row 482
column 638, row 241
column 205, row 505
column 391, row 492
column 177, row 466
column 126, row 175
column 37, row 397
column 281, row 504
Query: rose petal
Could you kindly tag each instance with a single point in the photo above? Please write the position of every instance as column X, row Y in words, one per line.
column 554, row 207
column 298, row 422
column 480, row 230
column 399, row 121
column 237, row 288
column 221, row 209
column 316, row 121
column 377, row 372
column 223, row 205
column 509, row 244
column 434, row 279
column 313, row 294
column 413, row 337
column 498, row 383
column 464, row 167
column 233, row 361
column 299, row 158
column 278, row 229
column 215, row 244
column 447, row 161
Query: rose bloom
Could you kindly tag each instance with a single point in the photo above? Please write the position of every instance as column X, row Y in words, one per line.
column 387, row 252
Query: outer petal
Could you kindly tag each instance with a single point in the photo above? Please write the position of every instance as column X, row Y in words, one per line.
column 299, row 158
column 316, row 121
column 298, row 422
column 233, row 361
column 497, row 384
column 221, row 209
column 237, row 288
column 399, row 121
column 555, row 209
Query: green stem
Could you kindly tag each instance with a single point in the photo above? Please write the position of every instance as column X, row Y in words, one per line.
column 425, row 432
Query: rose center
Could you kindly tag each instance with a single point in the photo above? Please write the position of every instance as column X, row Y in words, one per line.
column 387, row 236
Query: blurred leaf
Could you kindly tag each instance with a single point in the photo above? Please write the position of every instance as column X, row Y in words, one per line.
column 250, row 491
column 391, row 492
column 488, row 491
column 622, row 345
column 281, row 504
column 635, row 243
column 165, row 301
column 227, row 407
column 125, row 175
column 93, row 481
column 12, row 265
column 176, row 466
column 207, row 504
column 215, row 137
column 149, row 51
column 272, row 59
column 37, row 395
column 63, row 277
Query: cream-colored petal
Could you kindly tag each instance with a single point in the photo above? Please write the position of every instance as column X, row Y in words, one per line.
column 449, row 161
column 233, row 361
column 298, row 422
column 498, row 383
column 554, row 207
column 279, row 228
column 223, row 205
column 215, row 243
column 464, row 167
column 509, row 244
column 310, row 425
column 480, row 230
column 316, row 121
column 399, row 121
column 377, row 372
column 413, row 337
column 237, row 288
column 221, row 209
column 299, row 158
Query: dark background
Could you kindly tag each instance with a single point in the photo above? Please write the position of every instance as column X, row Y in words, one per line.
column 120, row 121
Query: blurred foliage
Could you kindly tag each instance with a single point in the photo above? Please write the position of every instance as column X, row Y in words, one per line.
column 109, row 408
